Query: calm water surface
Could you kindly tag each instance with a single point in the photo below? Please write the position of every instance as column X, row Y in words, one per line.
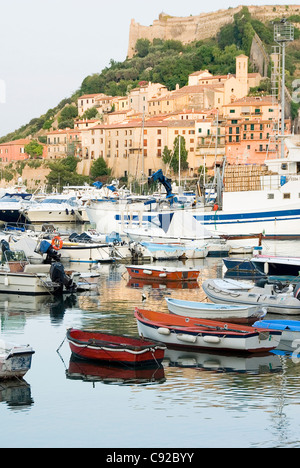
column 196, row 400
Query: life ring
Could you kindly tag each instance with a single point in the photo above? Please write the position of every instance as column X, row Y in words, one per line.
column 57, row 243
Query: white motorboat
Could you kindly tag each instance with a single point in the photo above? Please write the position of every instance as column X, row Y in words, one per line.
column 55, row 209
column 224, row 312
column 18, row 276
column 275, row 302
column 15, row 359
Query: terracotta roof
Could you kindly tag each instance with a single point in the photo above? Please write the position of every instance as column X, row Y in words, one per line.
column 22, row 141
column 251, row 100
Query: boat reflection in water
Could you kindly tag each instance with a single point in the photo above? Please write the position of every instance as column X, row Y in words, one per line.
column 16, row 393
column 89, row 371
column 210, row 361
column 139, row 284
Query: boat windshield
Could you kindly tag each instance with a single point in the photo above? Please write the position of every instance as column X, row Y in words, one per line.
column 60, row 201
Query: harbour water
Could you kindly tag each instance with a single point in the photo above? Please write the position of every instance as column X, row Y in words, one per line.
column 196, row 400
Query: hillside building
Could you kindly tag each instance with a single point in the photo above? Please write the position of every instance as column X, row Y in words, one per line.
column 15, row 150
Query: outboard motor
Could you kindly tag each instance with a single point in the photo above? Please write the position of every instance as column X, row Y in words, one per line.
column 58, row 275
column 297, row 291
column 52, row 254
column 5, row 248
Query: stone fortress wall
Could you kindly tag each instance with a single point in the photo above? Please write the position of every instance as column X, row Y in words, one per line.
column 203, row 26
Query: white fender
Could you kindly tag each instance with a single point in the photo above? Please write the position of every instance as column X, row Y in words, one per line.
column 211, row 339
column 186, row 338
column 163, row 331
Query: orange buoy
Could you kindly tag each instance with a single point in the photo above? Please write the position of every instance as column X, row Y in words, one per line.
column 57, row 243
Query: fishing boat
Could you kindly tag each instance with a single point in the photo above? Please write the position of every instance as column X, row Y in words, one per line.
column 179, row 331
column 118, row 349
column 283, row 302
column 162, row 273
column 222, row 312
column 15, row 359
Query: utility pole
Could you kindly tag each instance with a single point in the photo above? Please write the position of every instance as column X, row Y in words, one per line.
column 283, row 33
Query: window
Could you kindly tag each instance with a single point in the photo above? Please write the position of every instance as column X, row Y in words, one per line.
column 158, row 142
column 158, row 132
column 252, row 127
column 286, row 195
column 232, row 111
column 270, row 196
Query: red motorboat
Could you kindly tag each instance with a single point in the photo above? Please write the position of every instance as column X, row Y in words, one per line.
column 118, row 349
column 161, row 273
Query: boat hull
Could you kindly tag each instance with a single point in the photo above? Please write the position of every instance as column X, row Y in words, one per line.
column 15, row 360
column 116, row 349
column 162, row 274
column 277, row 266
column 186, row 332
column 277, row 304
column 222, row 312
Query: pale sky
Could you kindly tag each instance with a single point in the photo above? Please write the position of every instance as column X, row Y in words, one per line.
column 47, row 49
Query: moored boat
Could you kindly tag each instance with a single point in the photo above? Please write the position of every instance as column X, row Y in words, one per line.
column 118, row 349
column 222, row 312
column 275, row 302
column 161, row 273
column 276, row 265
column 290, row 329
column 15, row 359
column 178, row 331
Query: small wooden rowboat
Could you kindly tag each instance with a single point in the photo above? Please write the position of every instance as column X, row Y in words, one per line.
column 177, row 331
column 161, row 273
column 118, row 349
column 233, row 313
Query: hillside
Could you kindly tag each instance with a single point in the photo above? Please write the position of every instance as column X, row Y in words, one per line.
column 170, row 62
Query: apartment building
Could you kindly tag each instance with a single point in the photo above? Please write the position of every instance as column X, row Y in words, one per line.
column 210, row 141
column 85, row 102
column 133, row 148
column 63, row 143
column 14, row 150
column 251, row 126
column 139, row 97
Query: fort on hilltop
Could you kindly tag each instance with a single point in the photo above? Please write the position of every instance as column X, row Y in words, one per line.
column 203, row 26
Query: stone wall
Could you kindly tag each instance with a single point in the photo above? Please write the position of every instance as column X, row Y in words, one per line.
column 203, row 26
